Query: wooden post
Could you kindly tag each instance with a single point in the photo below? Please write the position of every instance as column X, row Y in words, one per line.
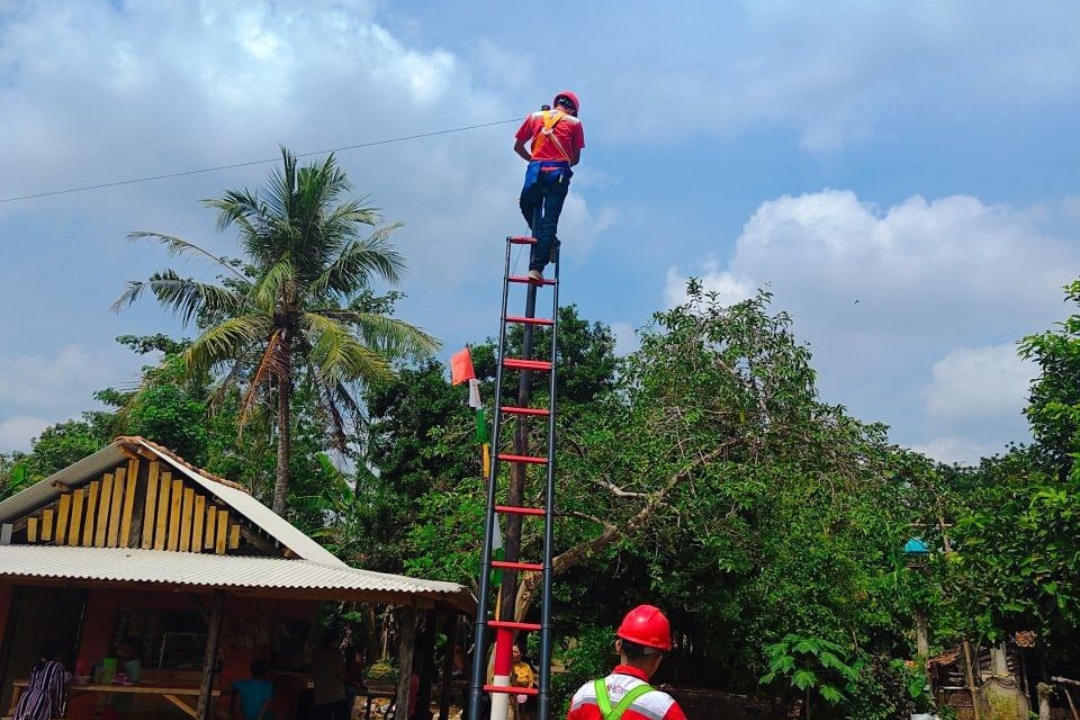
column 970, row 672
column 1045, row 691
column 448, row 668
column 202, row 710
column 426, row 665
column 406, row 640
column 999, row 661
column 922, row 637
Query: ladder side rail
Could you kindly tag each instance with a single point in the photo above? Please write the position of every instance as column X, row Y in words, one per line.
column 543, row 706
column 476, row 685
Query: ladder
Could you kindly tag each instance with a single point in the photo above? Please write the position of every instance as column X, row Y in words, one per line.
column 520, row 413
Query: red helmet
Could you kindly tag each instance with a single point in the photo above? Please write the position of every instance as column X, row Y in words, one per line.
column 570, row 97
column 647, row 626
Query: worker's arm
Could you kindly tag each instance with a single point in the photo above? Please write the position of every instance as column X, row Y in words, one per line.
column 519, row 148
column 575, row 158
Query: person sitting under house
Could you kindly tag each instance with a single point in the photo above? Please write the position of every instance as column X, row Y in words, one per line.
column 128, row 672
column 44, row 696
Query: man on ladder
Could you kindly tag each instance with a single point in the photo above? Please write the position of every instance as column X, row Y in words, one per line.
column 642, row 640
column 556, row 138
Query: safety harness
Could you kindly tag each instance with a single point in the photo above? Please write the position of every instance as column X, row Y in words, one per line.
column 603, row 701
column 551, row 119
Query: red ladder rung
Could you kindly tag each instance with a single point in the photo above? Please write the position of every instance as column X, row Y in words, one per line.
column 511, row 625
column 511, row 410
column 525, row 279
column 520, row 240
column 508, row 565
column 531, row 459
column 529, row 321
column 511, row 690
column 515, row 510
column 520, row 364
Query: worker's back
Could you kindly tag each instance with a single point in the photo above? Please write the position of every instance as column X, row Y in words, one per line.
column 623, row 681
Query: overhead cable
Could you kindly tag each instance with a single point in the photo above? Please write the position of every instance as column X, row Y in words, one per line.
column 233, row 166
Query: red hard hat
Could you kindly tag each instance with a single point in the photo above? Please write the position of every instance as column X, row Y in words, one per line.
column 572, row 98
column 647, row 626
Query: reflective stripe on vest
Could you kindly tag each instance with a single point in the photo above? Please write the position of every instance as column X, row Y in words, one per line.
column 551, row 119
column 603, row 701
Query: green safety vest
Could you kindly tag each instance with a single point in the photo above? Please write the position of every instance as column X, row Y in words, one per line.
column 604, row 702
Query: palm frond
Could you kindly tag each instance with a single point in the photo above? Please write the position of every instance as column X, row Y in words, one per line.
column 186, row 297
column 337, row 353
column 178, row 246
column 330, row 403
column 227, row 340
column 359, row 262
column 274, row 361
column 385, row 334
column 269, row 289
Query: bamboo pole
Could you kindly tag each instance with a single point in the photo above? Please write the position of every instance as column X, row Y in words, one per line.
column 970, row 673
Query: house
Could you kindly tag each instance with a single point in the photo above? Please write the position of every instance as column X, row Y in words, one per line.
column 133, row 541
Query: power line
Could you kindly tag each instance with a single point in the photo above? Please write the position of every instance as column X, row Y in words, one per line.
column 166, row 176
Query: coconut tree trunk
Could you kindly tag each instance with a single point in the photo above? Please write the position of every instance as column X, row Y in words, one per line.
column 284, row 448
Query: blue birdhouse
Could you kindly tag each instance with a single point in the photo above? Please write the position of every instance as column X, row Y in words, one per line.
column 916, row 552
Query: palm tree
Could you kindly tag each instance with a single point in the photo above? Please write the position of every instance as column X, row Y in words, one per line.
column 296, row 308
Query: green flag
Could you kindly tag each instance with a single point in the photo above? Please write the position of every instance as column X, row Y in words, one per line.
column 481, row 427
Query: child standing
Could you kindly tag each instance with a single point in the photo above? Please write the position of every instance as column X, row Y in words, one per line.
column 255, row 694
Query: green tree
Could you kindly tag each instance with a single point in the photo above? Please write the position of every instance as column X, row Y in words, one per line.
column 295, row 308
column 1054, row 407
column 1017, row 517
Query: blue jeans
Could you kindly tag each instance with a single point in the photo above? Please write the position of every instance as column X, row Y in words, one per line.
column 547, row 194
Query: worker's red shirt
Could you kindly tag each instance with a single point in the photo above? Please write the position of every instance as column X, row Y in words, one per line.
column 655, row 705
column 568, row 132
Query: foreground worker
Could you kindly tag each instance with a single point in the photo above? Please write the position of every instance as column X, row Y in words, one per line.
column 642, row 640
column 556, row 139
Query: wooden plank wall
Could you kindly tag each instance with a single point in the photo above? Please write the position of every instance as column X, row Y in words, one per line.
column 140, row 504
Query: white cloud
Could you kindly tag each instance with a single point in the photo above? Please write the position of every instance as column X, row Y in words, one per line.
column 975, row 382
column 37, row 381
column 17, row 431
column 729, row 288
column 834, row 73
column 884, row 294
column 626, row 338
column 583, row 225
column 959, row 450
column 39, row 390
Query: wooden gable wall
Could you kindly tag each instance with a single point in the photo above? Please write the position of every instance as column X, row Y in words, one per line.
column 141, row 504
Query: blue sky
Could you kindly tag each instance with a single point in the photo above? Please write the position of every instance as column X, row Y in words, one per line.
column 920, row 158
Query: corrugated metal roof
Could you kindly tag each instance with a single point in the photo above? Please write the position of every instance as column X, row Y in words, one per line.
column 242, row 502
column 45, row 492
column 155, row 567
